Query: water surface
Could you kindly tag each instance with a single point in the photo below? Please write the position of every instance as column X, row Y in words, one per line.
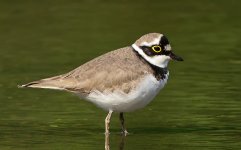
column 199, row 108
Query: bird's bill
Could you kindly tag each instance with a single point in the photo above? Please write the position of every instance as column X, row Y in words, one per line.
column 175, row 57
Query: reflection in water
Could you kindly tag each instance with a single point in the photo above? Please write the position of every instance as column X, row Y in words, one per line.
column 107, row 142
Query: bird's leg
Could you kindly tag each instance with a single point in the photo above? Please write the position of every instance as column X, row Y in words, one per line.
column 107, row 122
column 124, row 131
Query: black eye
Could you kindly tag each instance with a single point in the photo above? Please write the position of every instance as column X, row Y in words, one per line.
column 156, row 48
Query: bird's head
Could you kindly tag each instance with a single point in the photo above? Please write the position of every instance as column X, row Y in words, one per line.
column 156, row 49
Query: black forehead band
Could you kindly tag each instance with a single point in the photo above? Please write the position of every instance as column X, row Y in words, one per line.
column 164, row 41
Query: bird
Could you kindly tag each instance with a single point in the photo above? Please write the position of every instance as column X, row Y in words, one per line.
column 119, row 81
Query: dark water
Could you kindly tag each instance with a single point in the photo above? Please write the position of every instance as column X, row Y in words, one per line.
column 200, row 108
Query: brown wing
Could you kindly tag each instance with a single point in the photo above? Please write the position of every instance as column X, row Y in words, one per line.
column 117, row 69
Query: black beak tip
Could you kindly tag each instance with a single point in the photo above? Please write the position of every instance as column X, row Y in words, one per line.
column 175, row 57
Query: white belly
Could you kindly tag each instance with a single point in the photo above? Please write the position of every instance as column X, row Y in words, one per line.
column 119, row 101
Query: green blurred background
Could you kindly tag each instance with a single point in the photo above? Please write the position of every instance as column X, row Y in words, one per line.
column 199, row 108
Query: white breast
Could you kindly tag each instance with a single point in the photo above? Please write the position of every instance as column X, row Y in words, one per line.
column 139, row 97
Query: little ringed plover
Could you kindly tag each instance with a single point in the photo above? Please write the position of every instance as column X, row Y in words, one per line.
column 122, row 80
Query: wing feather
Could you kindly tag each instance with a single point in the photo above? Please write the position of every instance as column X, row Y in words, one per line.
column 119, row 69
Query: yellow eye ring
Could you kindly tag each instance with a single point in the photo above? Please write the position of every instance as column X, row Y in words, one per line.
column 156, row 48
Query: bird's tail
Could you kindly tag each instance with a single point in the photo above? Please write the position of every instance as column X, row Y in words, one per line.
column 49, row 83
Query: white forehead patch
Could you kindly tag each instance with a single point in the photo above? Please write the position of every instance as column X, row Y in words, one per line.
column 168, row 47
column 155, row 41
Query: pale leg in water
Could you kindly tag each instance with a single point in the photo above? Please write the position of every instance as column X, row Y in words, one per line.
column 107, row 122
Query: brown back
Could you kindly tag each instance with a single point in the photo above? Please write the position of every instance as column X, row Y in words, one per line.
column 121, row 69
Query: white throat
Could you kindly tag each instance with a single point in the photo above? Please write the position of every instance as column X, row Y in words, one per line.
column 159, row 60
